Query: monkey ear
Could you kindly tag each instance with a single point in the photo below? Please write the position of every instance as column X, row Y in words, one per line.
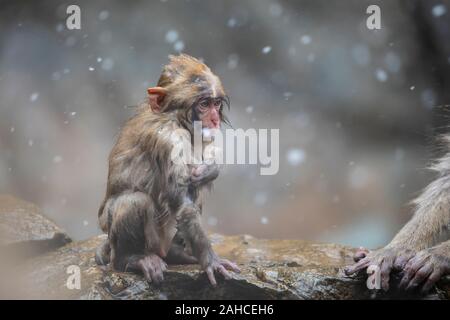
column 156, row 95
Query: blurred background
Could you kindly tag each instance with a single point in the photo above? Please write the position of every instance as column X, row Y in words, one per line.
column 358, row 110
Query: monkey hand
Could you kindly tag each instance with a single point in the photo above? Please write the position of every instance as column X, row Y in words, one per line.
column 211, row 263
column 203, row 174
column 426, row 268
column 386, row 259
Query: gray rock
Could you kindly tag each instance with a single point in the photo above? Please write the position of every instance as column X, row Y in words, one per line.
column 25, row 231
column 271, row 269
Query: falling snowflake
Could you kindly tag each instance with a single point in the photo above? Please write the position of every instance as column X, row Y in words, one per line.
column 212, row 221
column 361, row 54
column 439, row 10
column 260, row 199
column 107, row 64
column 306, row 39
column 70, row 41
column 295, row 157
column 266, row 49
column 275, row 10
column 393, row 62
column 178, row 46
column 34, row 96
column 233, row 60
column 59, row 27
column 57, row 159
column 103, row 15
column 381, row 75
column 359, row 177
column 311, row 57
column 171, row 36
column 56, row 76
column 91, row 68
column 231, row 23
column 428, row 98
column 264, row 220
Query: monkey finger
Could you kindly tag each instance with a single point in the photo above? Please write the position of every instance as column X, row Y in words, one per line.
column 360, row 254
column 401, row 261
column 407, row 275
column 419, row 277
column 230, row 265
column 147, row 275
column 385, row 271
column 362, row 264
column 432, row 279
column 221, row 269
column 157, row 277
column 210, row 274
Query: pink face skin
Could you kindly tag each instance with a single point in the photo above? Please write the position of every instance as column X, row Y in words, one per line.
column 209, row 113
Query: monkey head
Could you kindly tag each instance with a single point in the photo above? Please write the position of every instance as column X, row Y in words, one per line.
column 189, row 88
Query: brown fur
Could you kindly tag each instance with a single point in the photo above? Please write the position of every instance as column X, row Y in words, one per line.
column 421, row 249
column 149, row 199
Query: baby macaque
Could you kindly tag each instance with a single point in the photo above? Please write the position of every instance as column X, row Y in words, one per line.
column 152, row 208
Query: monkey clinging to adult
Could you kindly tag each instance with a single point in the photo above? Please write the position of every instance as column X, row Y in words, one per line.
column 421, row 249
column 152, row 208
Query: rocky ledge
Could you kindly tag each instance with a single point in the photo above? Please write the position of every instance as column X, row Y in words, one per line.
column 271, row 269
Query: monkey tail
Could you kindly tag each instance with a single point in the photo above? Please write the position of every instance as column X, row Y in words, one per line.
column 102, row 254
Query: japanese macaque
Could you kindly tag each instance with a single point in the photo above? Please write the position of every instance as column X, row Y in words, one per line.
column 421, row 249
column 152, row 208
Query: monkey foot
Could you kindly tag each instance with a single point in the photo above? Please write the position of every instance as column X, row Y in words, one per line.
column 222, row 266
column 153, row 267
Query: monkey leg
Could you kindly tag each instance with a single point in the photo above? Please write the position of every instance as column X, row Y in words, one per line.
column 102, row 254
column 189, row 223
column 134, row 238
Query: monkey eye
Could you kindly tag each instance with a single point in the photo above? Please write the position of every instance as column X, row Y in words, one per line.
column 203, row 105
column 218, row 103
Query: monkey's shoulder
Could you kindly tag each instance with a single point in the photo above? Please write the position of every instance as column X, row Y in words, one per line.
column 151, row 131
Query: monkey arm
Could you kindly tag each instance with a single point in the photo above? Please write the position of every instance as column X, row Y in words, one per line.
column 431, row 221
column 189, row 223
column 429, row 225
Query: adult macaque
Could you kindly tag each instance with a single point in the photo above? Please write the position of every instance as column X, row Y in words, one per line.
column 421, row 249
column 152, row 208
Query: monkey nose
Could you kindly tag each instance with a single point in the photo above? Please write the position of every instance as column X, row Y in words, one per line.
column 215, row 123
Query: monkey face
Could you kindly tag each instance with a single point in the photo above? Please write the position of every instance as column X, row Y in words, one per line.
column 209, row 112
column 188, row 85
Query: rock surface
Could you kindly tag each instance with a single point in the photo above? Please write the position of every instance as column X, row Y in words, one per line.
column 25, row 231
column 271, row 269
